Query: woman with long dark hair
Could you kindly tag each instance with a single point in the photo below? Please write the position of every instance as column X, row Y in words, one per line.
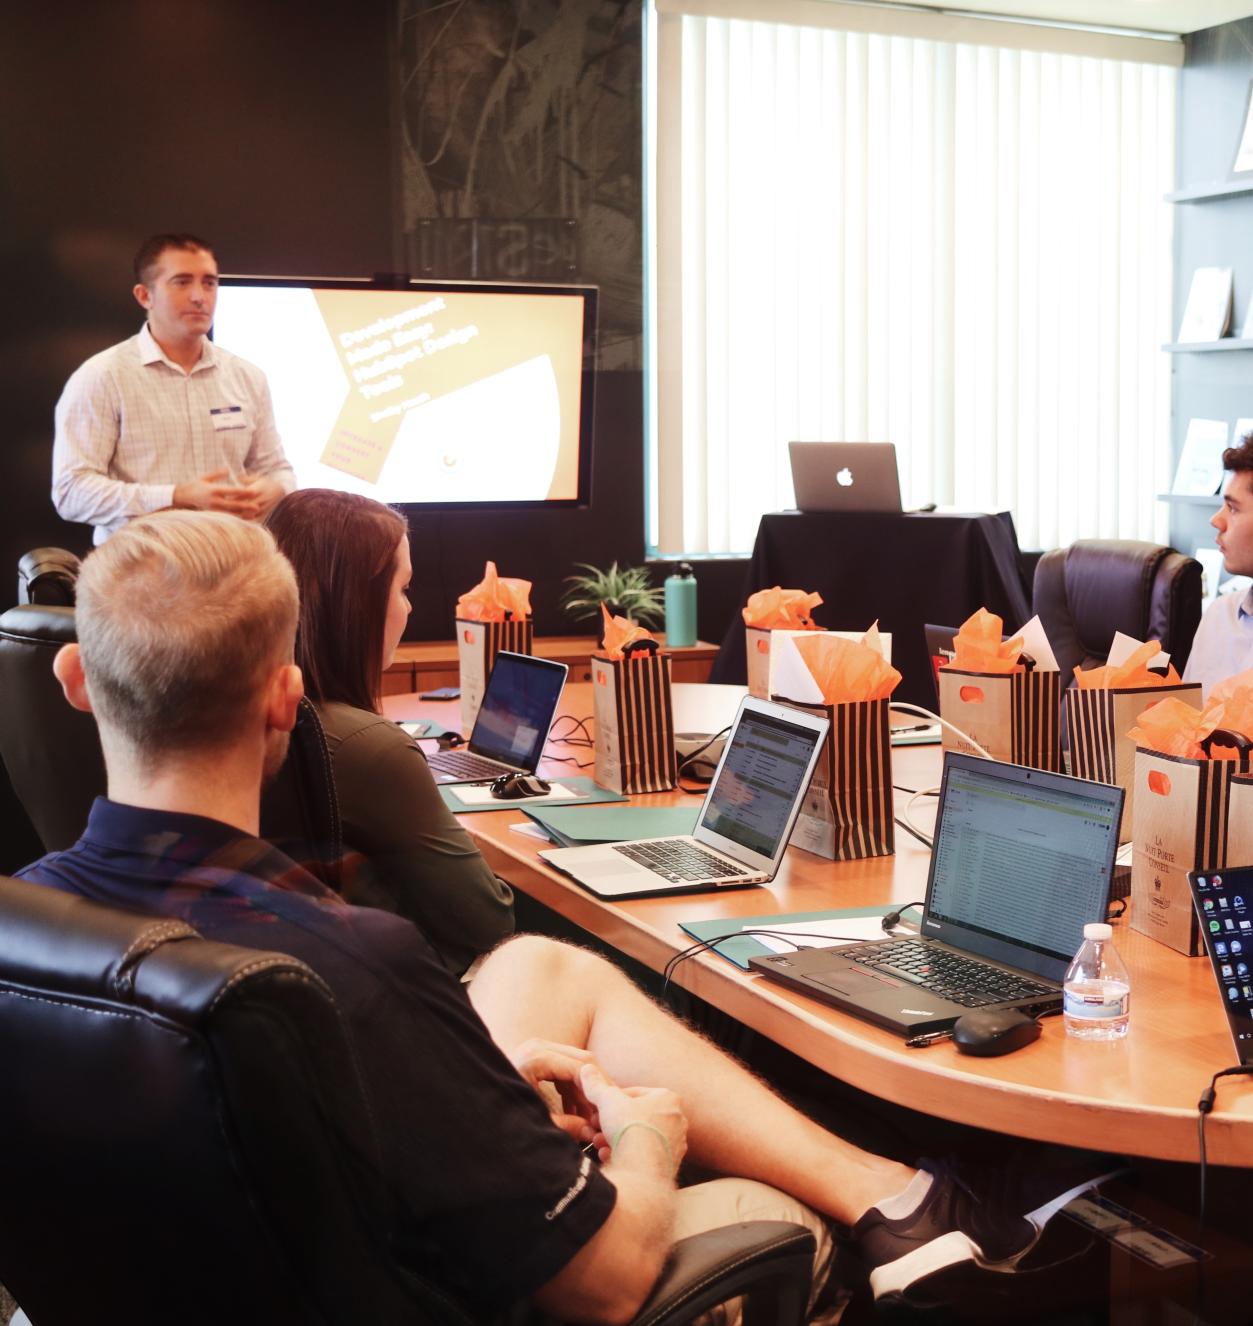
column 406, row 853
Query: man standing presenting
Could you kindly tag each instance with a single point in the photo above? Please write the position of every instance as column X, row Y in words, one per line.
column 166, row 418
column 1223, row 644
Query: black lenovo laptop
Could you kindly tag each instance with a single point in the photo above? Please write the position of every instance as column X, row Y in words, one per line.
column 512, row 724
column 1224, row 906
column 1022, row 861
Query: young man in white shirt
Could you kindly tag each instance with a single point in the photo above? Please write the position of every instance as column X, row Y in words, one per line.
column 1223, row 644
column 166, row 418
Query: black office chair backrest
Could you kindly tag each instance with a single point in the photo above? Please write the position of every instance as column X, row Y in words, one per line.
column 53, row 757
column 1086, row 592
column 51, row 751
column 47, row 575
column 183, row 1136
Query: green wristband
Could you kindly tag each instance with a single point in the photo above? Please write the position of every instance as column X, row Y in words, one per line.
column 639, row 1123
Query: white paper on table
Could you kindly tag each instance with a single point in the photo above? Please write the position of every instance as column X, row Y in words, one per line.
column 1200, row 468
column 1123, row 646
column 1036, row 643
column 480, row 794
column 529, row 829
column 813, row 934
column 789, row 676
column 1207, row 314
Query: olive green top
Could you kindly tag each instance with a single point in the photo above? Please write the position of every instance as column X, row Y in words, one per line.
column 404, row 850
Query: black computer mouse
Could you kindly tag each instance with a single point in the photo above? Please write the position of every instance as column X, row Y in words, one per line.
column 515, row 786
column 994, row 1031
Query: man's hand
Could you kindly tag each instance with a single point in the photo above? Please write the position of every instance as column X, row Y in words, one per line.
column 658, row 1109
column 553, row 1070
column 250, row 498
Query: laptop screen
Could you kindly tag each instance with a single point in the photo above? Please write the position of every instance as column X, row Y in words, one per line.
column 1022, row 861
column 761, row 778
column 517, row 710
column 1224, row 904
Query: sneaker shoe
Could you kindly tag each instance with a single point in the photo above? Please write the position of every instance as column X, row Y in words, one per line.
column 991, row 1218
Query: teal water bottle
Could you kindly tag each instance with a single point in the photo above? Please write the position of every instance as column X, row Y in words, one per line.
column 681, row 608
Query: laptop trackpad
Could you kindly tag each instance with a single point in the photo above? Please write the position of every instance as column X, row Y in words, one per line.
column 851, row 982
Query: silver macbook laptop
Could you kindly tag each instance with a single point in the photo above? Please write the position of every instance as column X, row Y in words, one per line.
column 845, row 476
column 1224, row 907
column 743, row 827
column 1022, row 861
column 509, row 733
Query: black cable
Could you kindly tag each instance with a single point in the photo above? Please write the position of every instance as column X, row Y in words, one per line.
column 1203, row 1107
column 577, row 725
column 1121, row 904
column 913, row 833
column 893, row 919
column 693, row 757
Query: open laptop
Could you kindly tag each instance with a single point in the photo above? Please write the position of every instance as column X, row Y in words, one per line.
column 845, row 476
column 509, row 733
column 1224, row 906
column 743, row 826
column 1022, row 861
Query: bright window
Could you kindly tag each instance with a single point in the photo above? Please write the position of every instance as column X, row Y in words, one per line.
column 961, row 249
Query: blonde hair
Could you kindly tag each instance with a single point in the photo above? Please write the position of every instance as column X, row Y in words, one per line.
column 180, row 615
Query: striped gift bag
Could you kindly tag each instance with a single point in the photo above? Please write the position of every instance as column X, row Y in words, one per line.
column 634, row 722
column 1182, row 821
column 847, row 812
column 1014, row 716
column 478, row 643
column 1098, row 722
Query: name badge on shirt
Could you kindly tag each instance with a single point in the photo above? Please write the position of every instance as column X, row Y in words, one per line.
column 226, row 417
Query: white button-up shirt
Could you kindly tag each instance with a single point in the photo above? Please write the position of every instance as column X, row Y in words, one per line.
column 131, row 424
column 1223, row 644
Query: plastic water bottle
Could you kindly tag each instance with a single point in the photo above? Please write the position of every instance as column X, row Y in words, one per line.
column 681, row 607
column 1096, row 994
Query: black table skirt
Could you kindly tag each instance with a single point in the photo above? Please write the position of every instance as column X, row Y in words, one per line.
column 904, row 570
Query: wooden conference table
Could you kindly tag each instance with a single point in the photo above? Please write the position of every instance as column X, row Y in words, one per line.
column 1136, row 1097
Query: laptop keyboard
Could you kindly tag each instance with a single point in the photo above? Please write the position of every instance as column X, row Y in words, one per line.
column 679, row 860
column 464, row 765
column 964, row 981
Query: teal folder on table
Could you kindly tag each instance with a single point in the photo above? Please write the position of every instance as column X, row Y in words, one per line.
column 585, row 792
column 738, row 948
column 579, row 826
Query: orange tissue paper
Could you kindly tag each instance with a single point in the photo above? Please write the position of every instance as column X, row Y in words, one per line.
column 1133, row 674
column 495, row 598
column 848, row 671
column 1175, row 728
column 618, row 633
column 978, row 647
column 781, row 610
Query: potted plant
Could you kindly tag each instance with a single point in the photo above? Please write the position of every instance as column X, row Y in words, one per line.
column 624, row 590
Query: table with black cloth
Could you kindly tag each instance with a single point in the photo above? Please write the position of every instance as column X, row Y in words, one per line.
column 903, row 570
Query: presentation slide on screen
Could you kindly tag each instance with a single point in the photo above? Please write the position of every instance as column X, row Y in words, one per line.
column 416, row 396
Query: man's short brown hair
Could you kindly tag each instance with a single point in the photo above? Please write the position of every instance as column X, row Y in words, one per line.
column 181, row 615
column 150, row 251
column 1239, row 459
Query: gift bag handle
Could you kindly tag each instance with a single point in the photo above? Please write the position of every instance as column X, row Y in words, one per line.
column 1222, row 736
column 644, row 645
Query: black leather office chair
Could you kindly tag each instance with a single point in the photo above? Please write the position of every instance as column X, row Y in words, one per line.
column 47, row 575
column 1086, row 592
column 183, row 1139
column 53, row 758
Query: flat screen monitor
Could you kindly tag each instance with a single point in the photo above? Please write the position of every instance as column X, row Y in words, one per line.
column 431, row 394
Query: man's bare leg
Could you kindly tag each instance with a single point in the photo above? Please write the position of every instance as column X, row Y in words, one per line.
column 532, row 987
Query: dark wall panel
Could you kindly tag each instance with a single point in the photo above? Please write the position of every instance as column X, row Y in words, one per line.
column 277, row 131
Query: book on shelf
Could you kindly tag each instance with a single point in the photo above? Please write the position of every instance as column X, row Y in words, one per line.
column 1207, row 314
column 1200, row 469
